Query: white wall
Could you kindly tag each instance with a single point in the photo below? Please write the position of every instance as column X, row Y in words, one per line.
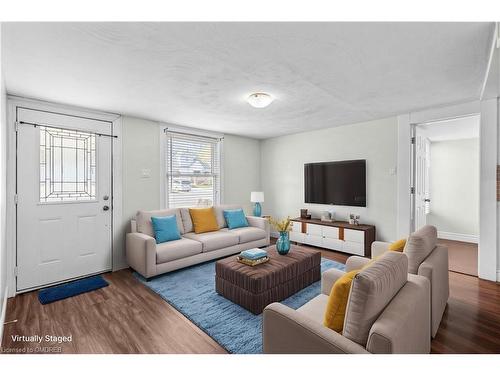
column 141, row 150
column 492, row 92
column 495, row 76
column 282, row 170
column 241, row 170
column 454, row 186
column 3, row 181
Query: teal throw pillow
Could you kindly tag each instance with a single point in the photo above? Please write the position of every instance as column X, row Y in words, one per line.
column 235, row 218
column 165, row 228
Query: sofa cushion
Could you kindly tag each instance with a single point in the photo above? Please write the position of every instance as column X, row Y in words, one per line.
column 419, row 245
column 247, row 234
column 371, row 291
column 214, row 240
column 219, row 213
column 177, row 249
column 315, row 308
column 143, row 219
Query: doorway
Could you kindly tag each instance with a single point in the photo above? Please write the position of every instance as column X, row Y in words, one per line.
column 446, row 186
column 64, row 195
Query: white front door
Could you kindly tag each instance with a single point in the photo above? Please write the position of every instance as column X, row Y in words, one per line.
column 422, row 199
column 64, row 198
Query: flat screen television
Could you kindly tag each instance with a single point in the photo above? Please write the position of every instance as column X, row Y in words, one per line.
column 340, row 183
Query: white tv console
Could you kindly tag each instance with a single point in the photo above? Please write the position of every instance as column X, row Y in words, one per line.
column 337, row 235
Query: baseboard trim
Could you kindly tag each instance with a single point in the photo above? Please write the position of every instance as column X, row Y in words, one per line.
column 498, row 276
column 4, row 313
column 458, row 237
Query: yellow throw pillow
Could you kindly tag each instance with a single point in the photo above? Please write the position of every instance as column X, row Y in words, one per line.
column 204, row 219
column 399, row 245
column 337, row 302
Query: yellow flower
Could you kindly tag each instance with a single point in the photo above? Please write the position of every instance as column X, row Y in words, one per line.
column 282, row 225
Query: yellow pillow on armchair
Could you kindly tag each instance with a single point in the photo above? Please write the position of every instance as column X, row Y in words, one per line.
column 337, row 302
column 399, row 245
column 204, row 220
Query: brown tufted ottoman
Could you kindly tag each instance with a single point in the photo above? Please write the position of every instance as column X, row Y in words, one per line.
column 256, row 287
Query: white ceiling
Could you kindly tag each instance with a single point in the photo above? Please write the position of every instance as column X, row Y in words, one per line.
column 199, row 74
column 453, row 129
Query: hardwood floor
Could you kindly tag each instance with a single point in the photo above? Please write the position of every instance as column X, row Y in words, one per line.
column 462, row 256
column 127, row 317
column 471, row 321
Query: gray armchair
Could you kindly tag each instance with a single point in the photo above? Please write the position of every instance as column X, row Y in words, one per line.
column 388, row 312
column 426, row 258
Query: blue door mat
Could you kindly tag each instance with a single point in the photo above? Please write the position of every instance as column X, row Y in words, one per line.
column 71, row 289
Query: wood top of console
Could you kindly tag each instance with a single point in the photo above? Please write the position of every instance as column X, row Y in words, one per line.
column 338, row 224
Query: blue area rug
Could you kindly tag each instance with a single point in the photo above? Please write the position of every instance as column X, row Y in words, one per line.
column 71, row 289
column 192, row 292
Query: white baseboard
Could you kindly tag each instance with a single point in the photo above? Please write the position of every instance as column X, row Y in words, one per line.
column 458, row 237
column 4, row 312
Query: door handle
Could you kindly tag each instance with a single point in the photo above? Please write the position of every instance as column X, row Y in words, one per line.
column 427, row 200
column 105, row 208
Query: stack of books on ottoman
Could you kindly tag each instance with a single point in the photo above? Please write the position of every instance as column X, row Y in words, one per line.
column 253, row 257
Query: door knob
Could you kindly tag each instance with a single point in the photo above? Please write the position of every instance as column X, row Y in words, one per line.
column 105, row 208
column 427, row 200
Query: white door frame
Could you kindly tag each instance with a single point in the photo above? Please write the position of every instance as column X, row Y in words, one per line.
column 414, row 176
column 487, row 109
column 118, row 258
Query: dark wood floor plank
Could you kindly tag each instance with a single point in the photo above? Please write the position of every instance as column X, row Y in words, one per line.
column 462, row 256
column 127, row 317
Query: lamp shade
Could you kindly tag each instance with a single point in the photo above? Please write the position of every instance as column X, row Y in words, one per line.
column 257, row 196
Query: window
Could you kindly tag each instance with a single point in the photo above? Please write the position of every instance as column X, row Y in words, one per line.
column 67, row 165
column 193, row 170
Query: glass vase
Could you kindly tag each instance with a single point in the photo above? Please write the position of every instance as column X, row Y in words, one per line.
column 283, row 243
column 257, row 210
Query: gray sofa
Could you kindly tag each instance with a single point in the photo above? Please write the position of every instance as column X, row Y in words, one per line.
column 150, row 259
column 426, row 258
column 388, row 311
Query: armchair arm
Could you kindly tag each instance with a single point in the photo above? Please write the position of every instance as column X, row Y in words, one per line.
column 286, row 331
column 328, row 278
column 435, row 269
column 404, row 325
column 141, row 253
column 355, row 263
column 260, row 222
column 379, row 247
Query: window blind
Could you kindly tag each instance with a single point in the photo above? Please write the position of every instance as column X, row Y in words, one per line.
column 193, row 170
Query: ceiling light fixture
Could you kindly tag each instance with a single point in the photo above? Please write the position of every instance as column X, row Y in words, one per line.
column 259, row 99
